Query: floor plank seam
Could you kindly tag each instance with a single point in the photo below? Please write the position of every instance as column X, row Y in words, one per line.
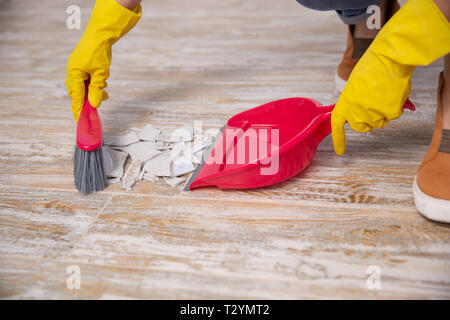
column 89, row 227
column 179, row 196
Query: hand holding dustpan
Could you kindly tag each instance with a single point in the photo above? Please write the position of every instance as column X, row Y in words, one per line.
column 265, row 145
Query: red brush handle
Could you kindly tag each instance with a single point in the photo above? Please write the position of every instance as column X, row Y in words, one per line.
column 409, row 105
column 89, row 127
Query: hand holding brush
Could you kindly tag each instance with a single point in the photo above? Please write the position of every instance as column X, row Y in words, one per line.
column 89, row 171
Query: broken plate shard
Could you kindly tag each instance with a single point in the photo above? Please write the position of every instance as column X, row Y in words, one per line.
column 113, row 162
column 173, row 182
column 196, row 159
column 113, row 181
column 177, row 149
column 148, row 133
column 150, row 177
column 131, row 175
column 154, row 154
column 121, row 140
column 159, row 165
column 143, row 151
column 210, row 135
column 161, row 145
column 181, row 166
column 180, row 134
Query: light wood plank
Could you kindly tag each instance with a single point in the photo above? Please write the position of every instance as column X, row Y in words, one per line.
column 44, row 223
column 310, row 237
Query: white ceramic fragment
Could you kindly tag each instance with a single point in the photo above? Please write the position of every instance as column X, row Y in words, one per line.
column 150, row 177
column 202, row 142
column 195, row 159
column 178, row 149
column 162, row 148
column 131, row 175
column 154, row 154
column 179, row 134
column 198, row 147
column 181, row 166
column 121, row 139
column 148, row 133
column 161, row 145
column 156, row 145
column 209, row 136
column 113, row 162
column 160, row 165
column 173, row 182
column 143, row 151
column 112, row 181
column 141, row 174
column 196, row 153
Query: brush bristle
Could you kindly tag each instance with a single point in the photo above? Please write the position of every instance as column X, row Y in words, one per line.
column 89, row 172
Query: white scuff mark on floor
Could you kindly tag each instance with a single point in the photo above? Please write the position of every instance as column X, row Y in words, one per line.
column 155, row 153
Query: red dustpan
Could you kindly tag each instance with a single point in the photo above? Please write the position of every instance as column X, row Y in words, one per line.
column 265, row 145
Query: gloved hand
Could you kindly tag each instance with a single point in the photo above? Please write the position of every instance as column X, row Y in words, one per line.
column 380, row 83
column 91, row 58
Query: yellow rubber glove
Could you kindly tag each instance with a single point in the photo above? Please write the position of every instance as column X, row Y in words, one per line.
column 380, row 83
column 91, row 58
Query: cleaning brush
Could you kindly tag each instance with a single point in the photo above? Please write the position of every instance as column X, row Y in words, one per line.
column 89, row 171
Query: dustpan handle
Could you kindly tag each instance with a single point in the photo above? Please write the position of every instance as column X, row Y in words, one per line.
column 408, row 105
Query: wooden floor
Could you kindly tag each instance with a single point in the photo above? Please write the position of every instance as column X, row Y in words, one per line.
column 311, row 237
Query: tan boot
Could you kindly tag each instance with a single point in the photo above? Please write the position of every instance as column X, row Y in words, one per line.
column 354, row 51
column 432, row 184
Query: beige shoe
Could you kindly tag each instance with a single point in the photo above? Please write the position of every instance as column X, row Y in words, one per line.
column 354, row 51
column 432, row 184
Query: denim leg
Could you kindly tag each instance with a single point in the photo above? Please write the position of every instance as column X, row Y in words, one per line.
column 353, row 16
column 349, row 11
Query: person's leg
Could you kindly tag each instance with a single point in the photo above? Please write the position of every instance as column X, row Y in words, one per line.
column 359, row 39
column 349, row 11
column 362, row 31
column 444, row 6
column 446, row 94
column 432, row 185
column 355, row 14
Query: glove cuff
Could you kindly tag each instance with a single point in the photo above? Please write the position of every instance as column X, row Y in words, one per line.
column 111, row 21
column 416, row 35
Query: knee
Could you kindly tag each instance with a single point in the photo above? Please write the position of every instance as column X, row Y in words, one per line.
column 325, row 5
column 317, row 4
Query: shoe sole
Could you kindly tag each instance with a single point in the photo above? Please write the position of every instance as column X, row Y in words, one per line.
column 432, row 208
column 339, row 85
